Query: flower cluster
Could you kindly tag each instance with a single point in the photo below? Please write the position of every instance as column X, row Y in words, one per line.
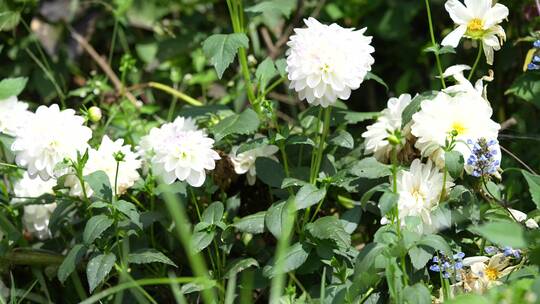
column 180, row 151
column 535, row 64
column 447, row 266
column 327, row 62
column 485, row 158
column 507, row 251
column 477, row 20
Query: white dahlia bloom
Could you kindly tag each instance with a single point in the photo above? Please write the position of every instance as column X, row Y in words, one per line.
column 419, row 190
column 36, row 217
column 245, row 162
column 103, row 159
column 13, row 115
column 477, row 20
column 388, row 122
column 180, row 152
column 47, row 137
column 327, row 62
column 463, row 85
column 466, row 115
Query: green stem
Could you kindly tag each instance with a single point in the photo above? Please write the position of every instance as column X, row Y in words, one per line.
column 167, row 89
column 480, row 48
column 395, row 169
column 443, row 190
column 434, row 43
column 78, row 285
column 31, row 258
column 322, row 141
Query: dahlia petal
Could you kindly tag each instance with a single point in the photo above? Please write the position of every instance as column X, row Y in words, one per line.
column 455, row 36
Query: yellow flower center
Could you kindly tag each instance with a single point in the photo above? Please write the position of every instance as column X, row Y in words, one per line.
column 491, row 273
column 475, row 25
column 325, row 68
column 417, row 194
column 458, row 128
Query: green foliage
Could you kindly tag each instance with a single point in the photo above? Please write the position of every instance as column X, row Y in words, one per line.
column 221, row 49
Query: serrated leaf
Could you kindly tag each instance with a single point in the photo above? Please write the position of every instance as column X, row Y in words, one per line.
column 95, row 226
column 417, row 294
column 129, row 210
column 71, row 261
column 253, row 223
column 534, row 186
column 100, row 184
column 245, row 123
column 308, row 195
column 502, row 233
column 221, row 49
column 145, row 256
column 420, row 255
column 239, row 265
column 454, row 163
column 213, row 213
column 284, row 7
column 12, row 86
column 370, row 168
column 330, row 228
column 98, row 268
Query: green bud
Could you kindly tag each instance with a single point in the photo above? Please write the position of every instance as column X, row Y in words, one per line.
column 94, row 114
column 119, row 156
column 394, row 140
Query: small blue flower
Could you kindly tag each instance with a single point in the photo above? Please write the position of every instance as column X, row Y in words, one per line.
column 536, row 59
column 446, row 275
column 458, row 265
column 482, row 159
column 435, row 268
column 491, row 250
column 435, row 259
column 459, row 255
column 533, row 67
column 536, row 44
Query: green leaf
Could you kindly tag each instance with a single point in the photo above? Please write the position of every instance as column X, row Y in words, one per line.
column 417, row 294
column 213, row 214
column 100, row 184
column 379, row 80
column 276, row 217
column 414, row 106
column 129, row 210
column 95, row 226
column 253, row 223
column 309, row 195
column 239, row 265
column 295, row 257
column 436, row 242
column 245, row 123
column 367, row 256
column 343, row 139
column 387, row 202
column 98, row 268
column 12, row 86
column 284, row 7
column 370, row 168
column 281, row 65
column 527, row 87
column 265, row 72
column 221, row 49
column 9, row 20
column 351, row 117
column 330, row 228
column 145, row 256
column 201, row 240
column 351, row 218
column 71, row 261
column 469, row 299
column 502, row 233
column 454, row 163
column 420, row 255
column 270, row 172
column 534, row 186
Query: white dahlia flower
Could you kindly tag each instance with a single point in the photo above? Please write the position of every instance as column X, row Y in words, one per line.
column 477, row 20
column 47, row 137
column 180, row 152
column 419, row 190
column 36, row 217
column 466, row 115
column 13, row 115
column 327, row 62
column 103, row 159
column 245, row 162
column 388, row 122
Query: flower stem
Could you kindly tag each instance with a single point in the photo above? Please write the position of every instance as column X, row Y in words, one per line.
column 167, row 89
column 434, row 43
column 319, row 153
column 443, row 190
column 476, row 61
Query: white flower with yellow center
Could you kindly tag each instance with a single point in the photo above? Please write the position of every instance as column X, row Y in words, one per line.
column 103, row 159
column 463, row 117
column 180, row 152
column 47, row 137
column 419, row 190
column 477, row 20
column 327, row 62
column 244, row 163
column 487, row 271
column 13, row 115
column 36, row 217
column 388, row 122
